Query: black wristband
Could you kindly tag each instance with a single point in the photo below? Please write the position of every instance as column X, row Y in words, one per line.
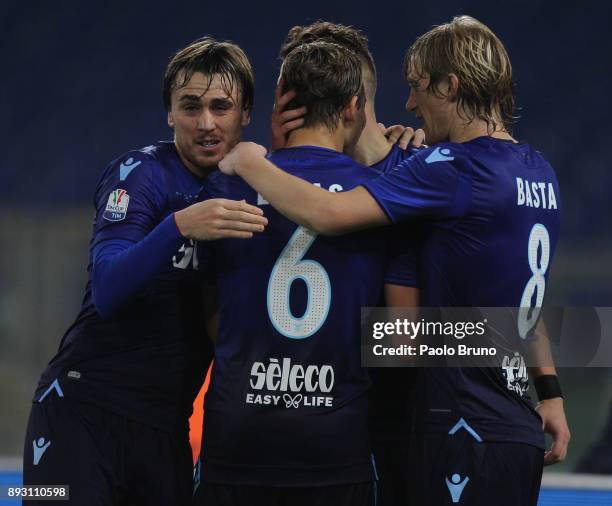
column 547, row 387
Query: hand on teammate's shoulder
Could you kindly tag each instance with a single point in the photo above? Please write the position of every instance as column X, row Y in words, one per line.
column 238, row 157
column 404, row 136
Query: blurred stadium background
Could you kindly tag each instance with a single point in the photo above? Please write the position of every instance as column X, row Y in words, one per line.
column 82, row 85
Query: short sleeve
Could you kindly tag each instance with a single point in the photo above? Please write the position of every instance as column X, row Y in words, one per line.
column 434, row 182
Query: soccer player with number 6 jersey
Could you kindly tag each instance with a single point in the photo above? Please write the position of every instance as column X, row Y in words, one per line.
column 287, row 408
column 491, row 208
column 392, row 388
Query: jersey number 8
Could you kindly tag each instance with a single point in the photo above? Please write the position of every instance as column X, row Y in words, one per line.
column 528, row 315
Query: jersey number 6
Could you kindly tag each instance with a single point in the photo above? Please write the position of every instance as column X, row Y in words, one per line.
column 289, row 267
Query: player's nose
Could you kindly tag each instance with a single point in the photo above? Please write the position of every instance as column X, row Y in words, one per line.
column 411, row 103
column 206, row 120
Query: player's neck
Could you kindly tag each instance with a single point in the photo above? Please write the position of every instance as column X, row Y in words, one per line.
column 373, row 146
column 316, row 136
column 468, row 131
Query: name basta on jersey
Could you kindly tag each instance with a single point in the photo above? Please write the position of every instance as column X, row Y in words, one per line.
column 490, row 210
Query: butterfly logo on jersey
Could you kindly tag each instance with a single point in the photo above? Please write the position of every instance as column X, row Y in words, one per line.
column 292, row 402
column 116, row 206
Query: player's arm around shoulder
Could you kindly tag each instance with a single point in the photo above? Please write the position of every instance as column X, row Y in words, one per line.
column 434, row 182
column 433, row 161
column 314, row 208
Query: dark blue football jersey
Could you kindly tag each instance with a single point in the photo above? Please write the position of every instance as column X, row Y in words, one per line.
column 287, row 403
column 392, row 388
column 395, row 156
column 491, row 209
column 146, row 359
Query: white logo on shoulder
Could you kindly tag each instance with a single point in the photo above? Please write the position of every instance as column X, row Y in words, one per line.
column 439, row 155
column 538, row 194
column 116, row 207
column 126, row 167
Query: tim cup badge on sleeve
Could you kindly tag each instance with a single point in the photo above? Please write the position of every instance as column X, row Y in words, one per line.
column 116, row 207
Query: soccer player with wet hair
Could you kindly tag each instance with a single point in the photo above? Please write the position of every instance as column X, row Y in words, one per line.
column 374, row 148
column 110, row 414
column 392, row 388
column 287, row 409
column 489, row 202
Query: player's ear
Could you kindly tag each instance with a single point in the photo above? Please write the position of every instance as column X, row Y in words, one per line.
column 351, row 109
column 246, row 118
column 453, row 87
column 170, row 119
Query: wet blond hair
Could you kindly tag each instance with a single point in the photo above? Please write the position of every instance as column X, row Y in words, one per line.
column 470, row 50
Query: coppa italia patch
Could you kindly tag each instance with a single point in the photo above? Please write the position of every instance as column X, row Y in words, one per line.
column 116, row 207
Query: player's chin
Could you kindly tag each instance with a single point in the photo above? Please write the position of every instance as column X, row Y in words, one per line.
column 209, row 160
